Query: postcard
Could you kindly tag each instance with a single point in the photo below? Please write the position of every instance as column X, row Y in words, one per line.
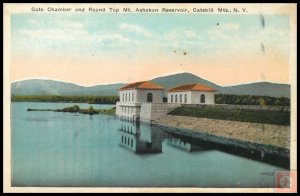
column 150, row 98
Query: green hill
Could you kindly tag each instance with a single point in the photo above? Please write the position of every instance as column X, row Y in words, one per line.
column 51, row 87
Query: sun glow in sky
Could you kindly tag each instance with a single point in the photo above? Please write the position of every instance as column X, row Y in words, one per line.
column 107, row 48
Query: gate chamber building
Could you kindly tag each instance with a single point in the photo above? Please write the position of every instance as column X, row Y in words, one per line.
column 134, row 95
column 143, row 101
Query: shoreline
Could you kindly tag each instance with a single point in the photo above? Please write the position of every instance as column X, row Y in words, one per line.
column 268, row 154
column 266, row 134
column 77, row 109
column 74, row 102
column 193, row 127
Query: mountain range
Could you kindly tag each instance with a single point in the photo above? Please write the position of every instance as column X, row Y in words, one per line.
column 51, row 87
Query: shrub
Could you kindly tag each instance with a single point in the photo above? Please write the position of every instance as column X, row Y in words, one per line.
column 251, row 100
column 243, row 115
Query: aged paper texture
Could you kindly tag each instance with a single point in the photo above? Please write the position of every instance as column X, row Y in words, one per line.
column 150, row 98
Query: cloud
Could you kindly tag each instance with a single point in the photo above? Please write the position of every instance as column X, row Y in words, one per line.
column 181, row 35
column 190, row 34
column 224, row 31
column 67, row 41
column 32, row 21
column 135, row 28
column 230, row 26
column 55, row 34
column 112, row 37
column 74, row 31
column 73, row 25
column 277, row 33
column 233, row 39
column 272, row 36
column 218, row 35
column 71, row 32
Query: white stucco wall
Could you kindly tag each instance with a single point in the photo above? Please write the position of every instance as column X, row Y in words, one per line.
column 133, row 104
column 129, row 111
column 157, row 95
column 188, row 93
column 129, row 106
column 139, row 95
column 193, row 97
column 209, row 97
column 150, row 111
column 128, row 96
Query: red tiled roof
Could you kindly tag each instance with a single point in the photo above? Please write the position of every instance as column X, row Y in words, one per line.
column 191, row 87
column 141, row 85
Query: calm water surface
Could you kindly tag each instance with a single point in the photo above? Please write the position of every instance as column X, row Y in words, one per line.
column 67, row 149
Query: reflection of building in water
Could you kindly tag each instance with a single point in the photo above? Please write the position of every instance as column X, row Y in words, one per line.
column 144, row 138
column 140, row 139
column 182, row 144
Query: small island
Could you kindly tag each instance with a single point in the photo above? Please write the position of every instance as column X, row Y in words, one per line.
column 77, row 109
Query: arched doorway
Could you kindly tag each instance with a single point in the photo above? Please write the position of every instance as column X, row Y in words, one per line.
column 149, row 97
column 202, row 98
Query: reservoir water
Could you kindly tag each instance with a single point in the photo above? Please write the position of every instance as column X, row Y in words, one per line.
column 67, row 149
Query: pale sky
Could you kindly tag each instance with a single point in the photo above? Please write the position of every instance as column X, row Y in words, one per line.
column 92, row 49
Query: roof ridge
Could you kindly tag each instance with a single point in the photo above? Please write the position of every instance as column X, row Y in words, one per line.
column 191, row 87
column 179, row 85
column 147, row 85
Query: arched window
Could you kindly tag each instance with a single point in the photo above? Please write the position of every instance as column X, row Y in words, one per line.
column 171, row 98
column 125, row 96
column 180, row 98
column 129, row 96
column 149, row 97
column 128, row 141
column 202, row 98
column 122, row 139
column 176, row 98
column 185, row 98
column 122, row 96
column 132, row 97
column 131, row 142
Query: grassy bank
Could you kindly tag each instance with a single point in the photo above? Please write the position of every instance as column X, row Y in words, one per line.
column 242, row 115
column 59, row 98
column 251, row 100
column 77, row 109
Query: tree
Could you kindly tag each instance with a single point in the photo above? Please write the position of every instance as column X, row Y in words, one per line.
column 219, row 100
column 262, row 102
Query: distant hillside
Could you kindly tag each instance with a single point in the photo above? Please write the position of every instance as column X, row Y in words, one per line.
column 51, row 87
column 182, row 78
column 260, row 88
